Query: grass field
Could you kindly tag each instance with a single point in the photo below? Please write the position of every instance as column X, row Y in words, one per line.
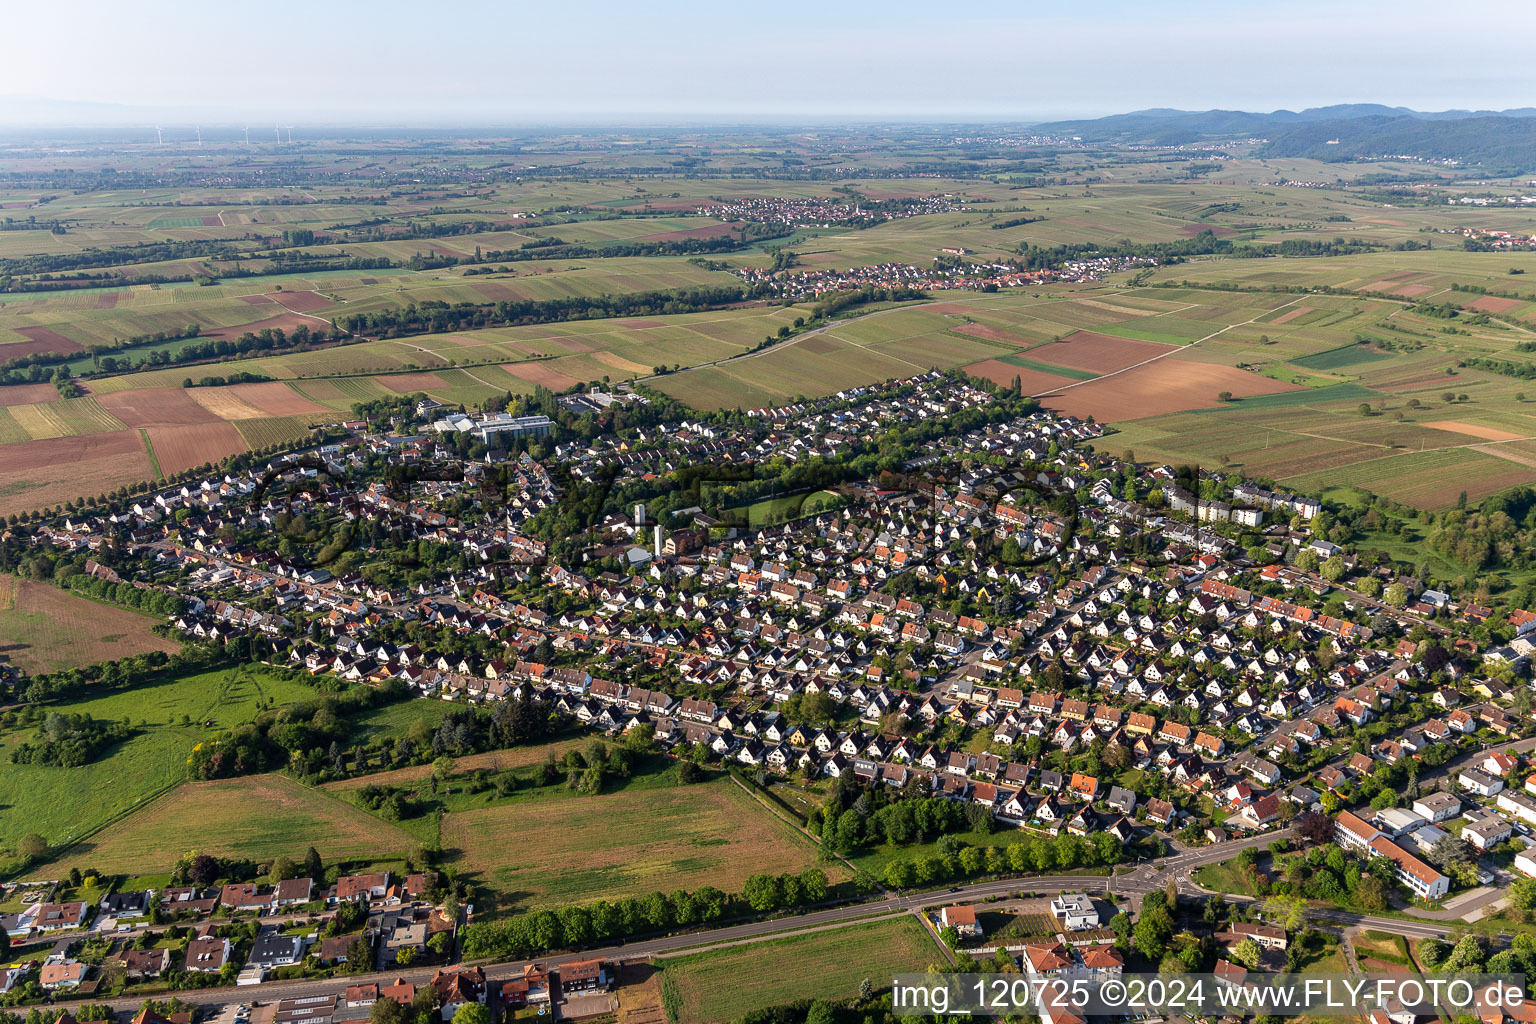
column 394, row 719
column 171, row 715
column 492, row 760
column 45, row 629
column 569, row 849
column 720, row 985
column 257, row 817
column 772, row 510
column 1222, row 877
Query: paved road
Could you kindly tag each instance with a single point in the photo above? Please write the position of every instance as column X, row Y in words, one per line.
column 646, row 947
column 1476, row 754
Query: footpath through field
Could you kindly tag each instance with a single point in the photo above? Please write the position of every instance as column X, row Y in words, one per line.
column 1162, row 355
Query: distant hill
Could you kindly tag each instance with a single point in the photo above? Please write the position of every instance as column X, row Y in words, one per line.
column 1491, row 143
column 1502, row 140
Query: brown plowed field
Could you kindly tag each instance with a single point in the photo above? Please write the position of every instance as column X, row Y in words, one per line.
column 1475, row 430
column 406, row 383
column 999, row 372
column 274, row 398
column 183, row 447
column 106, row 300
column 302, row 302
column 255, row 300
column 1490, row 304
column 1393, row 288
column 618, row 362
column 1166, row 386
column 991, row 334
column 45, row 629
column 16, row 349
column 58, row 451
column 1097, row 353
column 284, row 321
column 540, row 373
column 1291, row 314
column 223, row 405
column 49, row 340
column 26, row 394
column 155, row 407
column 707, row 231
column 37, row 474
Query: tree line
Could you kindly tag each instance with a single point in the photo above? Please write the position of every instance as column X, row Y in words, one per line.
column 1205, row 243
column 434, row 316
column 605, row 921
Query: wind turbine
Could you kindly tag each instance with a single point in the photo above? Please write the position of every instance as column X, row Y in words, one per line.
column 159, row 136
column 290, row 135
column 199, row 136
column 247, row 136
column 279, row 133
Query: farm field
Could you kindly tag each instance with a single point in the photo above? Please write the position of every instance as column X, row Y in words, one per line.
column 1033, row 382
column 720, row 985
column 1311, row 358
column 35, row 474
column 564, row 850
column 1165, row 386
column 257, row 817
column 186, row 447
column 46, row 629
column 1065, row 333
column 1097, row 353
column 1431, row 480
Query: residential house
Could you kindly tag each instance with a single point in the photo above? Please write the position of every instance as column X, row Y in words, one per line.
column 1075, row 911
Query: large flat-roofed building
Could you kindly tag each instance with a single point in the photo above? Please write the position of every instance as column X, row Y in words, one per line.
column 496, row 425
column 502, row 425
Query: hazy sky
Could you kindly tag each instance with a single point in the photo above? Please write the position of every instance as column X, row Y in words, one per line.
column 512, row 61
